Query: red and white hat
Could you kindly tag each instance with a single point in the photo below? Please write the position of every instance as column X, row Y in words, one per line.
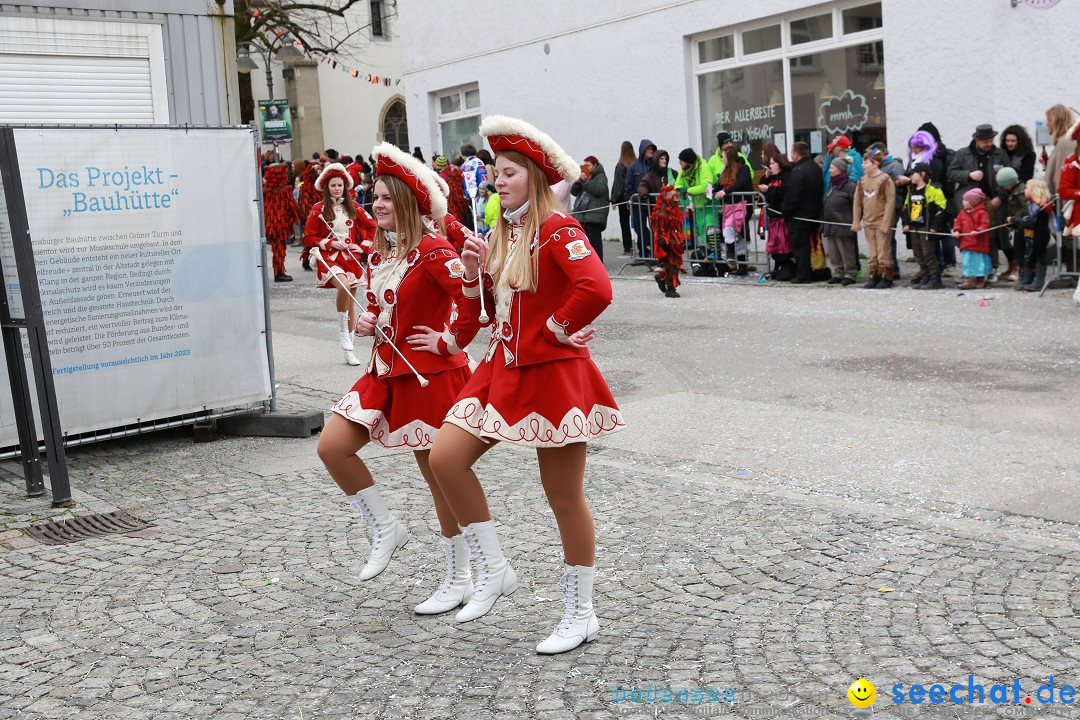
column 332, row 171
column 506, row 133
column 1075, row 132
column 390, row 160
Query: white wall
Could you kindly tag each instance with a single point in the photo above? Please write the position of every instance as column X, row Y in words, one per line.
column 621, row 80
column 979, row 62
column 958, row 63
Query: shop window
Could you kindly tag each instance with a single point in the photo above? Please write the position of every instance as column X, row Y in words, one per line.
column 761, row 40
column 459, row 119
column 746, row 102
column 810, row 29
column 721, row 48
column 839, row 92
column 862, row 18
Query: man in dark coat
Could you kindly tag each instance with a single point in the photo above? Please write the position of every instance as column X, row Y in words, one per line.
column 802, row 199
column 634, row 175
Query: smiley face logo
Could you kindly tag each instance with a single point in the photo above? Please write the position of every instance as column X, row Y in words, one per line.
column 862, row 693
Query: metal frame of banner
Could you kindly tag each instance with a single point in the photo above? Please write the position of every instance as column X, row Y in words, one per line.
column 127, row 430
column 32, row 323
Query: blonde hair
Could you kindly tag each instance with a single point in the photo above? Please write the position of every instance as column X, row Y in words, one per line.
column 1059, row 119
column 410, row 226
column 519, row 266
column 1038, row 191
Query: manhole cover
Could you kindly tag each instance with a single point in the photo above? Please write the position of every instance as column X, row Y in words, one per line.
column 87, row 526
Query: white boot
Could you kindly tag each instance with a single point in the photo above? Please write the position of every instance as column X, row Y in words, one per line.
column 579, row 622
column 387, row 534
column 456, row 588
column 345, row 333
column 494, row 576
column 351, row 359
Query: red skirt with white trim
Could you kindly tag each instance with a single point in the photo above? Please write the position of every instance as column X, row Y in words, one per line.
column 544, row 405
column 351, row 270
column 398, row 412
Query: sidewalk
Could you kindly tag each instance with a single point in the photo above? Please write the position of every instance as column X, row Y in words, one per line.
column 815, row 486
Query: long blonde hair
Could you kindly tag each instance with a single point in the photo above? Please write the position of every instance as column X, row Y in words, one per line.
column 519, row 267
column 1059, row 118
column 410, row 226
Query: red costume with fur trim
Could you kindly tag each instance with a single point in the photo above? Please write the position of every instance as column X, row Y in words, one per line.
column 280, row 212
column 358, row 233
column 457, row 199
column 419, row 289
column 404, row 293
column 533, row 388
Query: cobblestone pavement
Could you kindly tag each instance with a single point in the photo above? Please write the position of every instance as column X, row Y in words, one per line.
column 725, row 558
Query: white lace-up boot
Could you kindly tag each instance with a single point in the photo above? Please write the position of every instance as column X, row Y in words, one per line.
column 351, row 359
column 387, row 534
column 494, row 576
column 345, row 333
column 579, row 623
column 456, row 587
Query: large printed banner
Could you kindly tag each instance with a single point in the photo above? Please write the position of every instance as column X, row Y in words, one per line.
column 146, row 243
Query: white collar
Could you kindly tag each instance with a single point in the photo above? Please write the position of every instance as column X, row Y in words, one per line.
column 514, row 216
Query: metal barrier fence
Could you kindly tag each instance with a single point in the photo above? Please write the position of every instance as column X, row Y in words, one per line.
column 1065, row 258
column 707, row 249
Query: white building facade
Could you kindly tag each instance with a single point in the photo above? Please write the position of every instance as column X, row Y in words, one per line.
column 781, row 71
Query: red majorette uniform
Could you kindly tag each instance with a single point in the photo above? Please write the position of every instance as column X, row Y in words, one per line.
column 532, row 388
column 342, row 230
column 403, row 292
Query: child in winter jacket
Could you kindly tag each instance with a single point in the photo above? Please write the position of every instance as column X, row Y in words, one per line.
column 971, row 229
column 924, row 212
column 1034, row 225
column 836, row 217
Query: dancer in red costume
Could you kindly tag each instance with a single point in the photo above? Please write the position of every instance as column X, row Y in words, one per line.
column 537, row 385
column 414, row 277
column 342, row 231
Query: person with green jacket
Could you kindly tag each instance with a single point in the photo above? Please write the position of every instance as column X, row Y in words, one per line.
column 693, row 182
column 924, row 211
column 492, row 206
column 716, row 162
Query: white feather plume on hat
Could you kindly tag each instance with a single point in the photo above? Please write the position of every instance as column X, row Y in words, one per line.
column 565, row 165
column 333, row 170
column 423, row 174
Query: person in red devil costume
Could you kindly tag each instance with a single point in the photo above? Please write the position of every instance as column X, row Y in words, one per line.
column 414, row 277
column 308, row 196
column 537, row 386
column 666, row 221
column 342, row 231
column 280, row 214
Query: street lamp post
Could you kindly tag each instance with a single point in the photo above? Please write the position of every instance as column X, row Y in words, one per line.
column 283, row 45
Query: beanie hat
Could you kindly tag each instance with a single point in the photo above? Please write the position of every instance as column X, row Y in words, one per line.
column 688, row 156
column 975, row 196
column 440, row 162
column 722, row 138
column 840, row 163
column 592, row 159
column 1007, row 176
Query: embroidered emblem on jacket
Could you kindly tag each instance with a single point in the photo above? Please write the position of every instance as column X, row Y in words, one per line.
column 578, row 250
column 456, row 267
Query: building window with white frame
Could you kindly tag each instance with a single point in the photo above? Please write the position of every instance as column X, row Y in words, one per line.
column 806, row 76
column 458, row 113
